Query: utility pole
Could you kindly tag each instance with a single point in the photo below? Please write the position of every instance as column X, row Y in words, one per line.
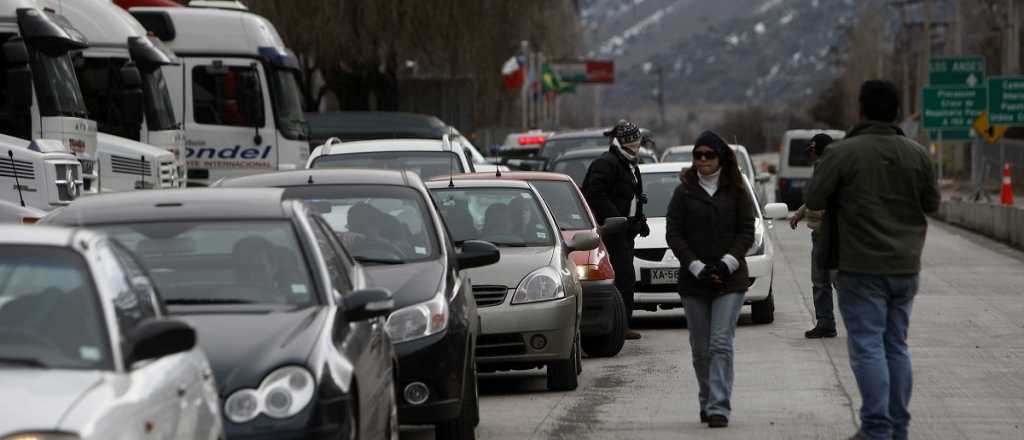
column 958, row 28
column 661, row 96
column 524, row 102
column 1012, row 64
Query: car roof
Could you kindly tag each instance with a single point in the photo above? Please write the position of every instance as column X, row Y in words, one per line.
column 443, row 183
column 678, row 148
column 515, row 175
column 375, row 125
column 385, row 145
column 581, row 153
column 663, row 167
column 325, row 176
column 15, row 234
column 576, row 134
column 171, row 204
column 809, row 133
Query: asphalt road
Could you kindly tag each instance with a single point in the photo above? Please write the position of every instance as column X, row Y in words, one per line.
column 966, row 337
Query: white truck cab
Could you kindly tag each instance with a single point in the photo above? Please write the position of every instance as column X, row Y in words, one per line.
column 236, row 91
column 39, row 93
column 125, row 93
column 39, row 174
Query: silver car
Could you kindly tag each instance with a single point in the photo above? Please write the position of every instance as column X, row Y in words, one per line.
column 85, row 349
column 530, row 302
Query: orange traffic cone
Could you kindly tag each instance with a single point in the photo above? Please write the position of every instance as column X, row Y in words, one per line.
column 1006, row 197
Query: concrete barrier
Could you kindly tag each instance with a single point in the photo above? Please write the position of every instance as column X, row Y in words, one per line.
column 1003, row 223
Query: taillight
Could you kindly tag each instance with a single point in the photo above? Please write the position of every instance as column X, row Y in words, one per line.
column 783, row 184
column 531, row 140
column 589, row 272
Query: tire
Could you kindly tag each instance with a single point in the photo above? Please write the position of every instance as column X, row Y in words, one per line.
column 564, row 375
column 464, row 426
column 610, row 344
column 763, row 312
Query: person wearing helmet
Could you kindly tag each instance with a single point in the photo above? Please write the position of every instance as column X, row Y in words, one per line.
column 613, row 188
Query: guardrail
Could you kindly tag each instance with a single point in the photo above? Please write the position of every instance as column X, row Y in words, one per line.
column 1003, row 223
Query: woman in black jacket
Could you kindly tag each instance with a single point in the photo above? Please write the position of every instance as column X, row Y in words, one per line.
column 710, row 228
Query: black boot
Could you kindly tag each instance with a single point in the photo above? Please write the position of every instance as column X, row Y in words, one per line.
column 717, row 421
column 821, row 331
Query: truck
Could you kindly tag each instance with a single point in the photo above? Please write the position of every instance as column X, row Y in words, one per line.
column 40, row 174
column 125, row 93
column 36, row 58
column 236, row 91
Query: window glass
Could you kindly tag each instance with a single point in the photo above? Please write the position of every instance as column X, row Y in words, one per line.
column 56, row 85
column 659, row 188
column 227, row 95
column 13, row 123
column 565, row 204
column 221, row 262
column 100, row 82
column 798, row 154
column 557, row 147
column 138, row 280
column 679, row 156
column 50, row 313
column 377, row 224
column 337, row 266
column 288, row 103
column 506, row 217
column 426, row 164
column 575, row 168
column 159, row 109
column 129, row 307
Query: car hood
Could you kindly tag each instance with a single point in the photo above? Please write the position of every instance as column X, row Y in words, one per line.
column 409, row 283
column 245, row 347
column 515, row 264
column 37, row 399
column 657, row 238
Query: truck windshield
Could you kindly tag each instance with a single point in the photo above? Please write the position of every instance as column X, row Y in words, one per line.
column 288, row 103
column 159, row 109
column 56, row 85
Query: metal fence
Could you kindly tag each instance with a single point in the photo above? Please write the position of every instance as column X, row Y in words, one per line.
column 989, row 160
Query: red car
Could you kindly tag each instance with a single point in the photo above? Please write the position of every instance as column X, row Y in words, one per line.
column 603, row 324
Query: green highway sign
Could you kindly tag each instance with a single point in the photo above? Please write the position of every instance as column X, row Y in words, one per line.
column 952, row 107
column 957, row 71
column 1006, row 100
column 951, row 135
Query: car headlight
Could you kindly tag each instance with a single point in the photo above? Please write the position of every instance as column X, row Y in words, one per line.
column 282, row 394
column 41, row 436
column 758, row 247
column 419, row 320
column 543, row 284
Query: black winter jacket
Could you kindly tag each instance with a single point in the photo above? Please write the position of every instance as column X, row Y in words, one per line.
column 610, row 186
column 705, row 228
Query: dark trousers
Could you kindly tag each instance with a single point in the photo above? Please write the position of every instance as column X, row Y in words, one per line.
column 620, row 252
column 821, row 283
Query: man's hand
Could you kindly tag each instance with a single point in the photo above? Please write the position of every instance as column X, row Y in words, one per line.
column 796, row 219
column 645, row 229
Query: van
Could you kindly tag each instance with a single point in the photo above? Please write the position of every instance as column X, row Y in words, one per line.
column 795, row 165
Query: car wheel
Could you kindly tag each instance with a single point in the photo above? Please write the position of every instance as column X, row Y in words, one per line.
column 564, row 375
column 464, row 426
column 763, row 312
column 610, row 344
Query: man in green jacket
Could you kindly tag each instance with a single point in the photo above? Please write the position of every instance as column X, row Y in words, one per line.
column 876, row 185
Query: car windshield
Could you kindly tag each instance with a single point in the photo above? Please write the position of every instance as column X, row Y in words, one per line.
column 565, row 204
column 507, row 217
column 56, row 85
column 50, row 314
column 659, row 188
column 378, row 224
column 575, row 167
column 798, row 154
column 287, row 98
column 426, row 164
column 744, row 159
column 159, row 109
column 221, row 262
column 678, row 156
column 557, row 147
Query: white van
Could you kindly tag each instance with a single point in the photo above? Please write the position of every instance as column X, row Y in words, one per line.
column 236, row 91
column 795, row 165
column 40, row 174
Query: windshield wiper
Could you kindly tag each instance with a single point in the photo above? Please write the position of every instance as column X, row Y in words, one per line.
column 508, row 244
column 378, row 260
column 25, row 362
column 203, row 301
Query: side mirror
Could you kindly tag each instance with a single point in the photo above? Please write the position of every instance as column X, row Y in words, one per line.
column 365, row 304
column 477, row 253
column 584, row 241
column 613, row 225
column 155, row 338
column 776, row 211
column 763, row 178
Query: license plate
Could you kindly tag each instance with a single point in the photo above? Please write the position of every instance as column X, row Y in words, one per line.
column 799, row 183
column 663, row 276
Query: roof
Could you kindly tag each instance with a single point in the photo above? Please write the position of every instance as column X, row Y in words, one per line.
column 324, row 176
column 679, row 148
column 216, row 31
column 581, row 154
column 170, row 204
column 663, row 167
column 442, row 183
column 383, row 145
column 37, row 235
column 350, row 126
column 587, row 133
column 105, row 24
column 809, row 133
column 515, row 175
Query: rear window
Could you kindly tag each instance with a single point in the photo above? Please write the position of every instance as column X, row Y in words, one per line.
column 798, row 154
column 426, row 164
column 576, row 168
column 556, row 147
column 565, row 204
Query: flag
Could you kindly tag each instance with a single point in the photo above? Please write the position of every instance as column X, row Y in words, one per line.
column 552, row 83
column 512, row 73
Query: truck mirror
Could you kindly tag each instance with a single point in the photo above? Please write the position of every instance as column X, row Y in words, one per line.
column 15, row 53
column 131, row 78
column 19, row 88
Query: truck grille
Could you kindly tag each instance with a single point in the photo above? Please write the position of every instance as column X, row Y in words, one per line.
column 487, row 296
column 88, row 166
column 127, row 165
column 168, row 174
column 22, row 168
column 502, row 344
column 69, row 181
column 650, row 254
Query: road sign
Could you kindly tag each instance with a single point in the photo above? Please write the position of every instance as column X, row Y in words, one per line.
column 586, row 71
column 1006, row 100
column 957, row 71
column 951, row 135
column 952, row 107
column 991, row 133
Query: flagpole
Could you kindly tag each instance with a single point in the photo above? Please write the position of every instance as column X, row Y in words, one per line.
column 524, row 111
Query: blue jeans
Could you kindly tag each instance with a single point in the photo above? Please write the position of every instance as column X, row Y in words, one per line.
column 876, row 311
column 711, row 322
column 821, row 285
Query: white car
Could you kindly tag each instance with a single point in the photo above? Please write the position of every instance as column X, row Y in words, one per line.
column 85, row 349
column 657, row 269
column 425, row 157
column 684, row 153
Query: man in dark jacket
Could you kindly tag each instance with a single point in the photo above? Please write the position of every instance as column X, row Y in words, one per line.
column 877, row 186
column 613, row 188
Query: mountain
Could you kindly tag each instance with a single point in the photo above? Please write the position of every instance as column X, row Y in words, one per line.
column 717, row 51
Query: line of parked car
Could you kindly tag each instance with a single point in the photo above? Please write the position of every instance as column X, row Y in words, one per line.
column 343, row 300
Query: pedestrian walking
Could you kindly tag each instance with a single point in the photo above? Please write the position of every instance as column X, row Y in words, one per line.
column 710, row 228
column 821, row 276
column 613, row 188
column 876, row 186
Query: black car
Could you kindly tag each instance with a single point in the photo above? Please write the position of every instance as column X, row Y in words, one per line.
column 295, row 338
column 389, row 223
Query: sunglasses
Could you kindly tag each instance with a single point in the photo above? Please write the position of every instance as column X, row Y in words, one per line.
column 705, row 155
